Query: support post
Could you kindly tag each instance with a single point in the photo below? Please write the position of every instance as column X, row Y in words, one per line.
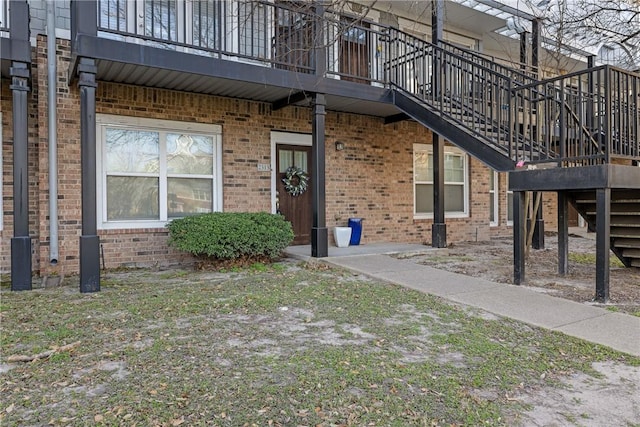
column 437, row 20
column 319, row 235
column 603, row 242
column 519, row 237
column 21, row 241
column 523, row 50
column 563, row 233
column 538, row 230
column 437, row 25
column 89, row 240
column 438, row 228
column 535, row 45
column 590, row 113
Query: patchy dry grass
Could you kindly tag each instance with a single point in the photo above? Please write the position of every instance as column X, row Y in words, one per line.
column 280, row 345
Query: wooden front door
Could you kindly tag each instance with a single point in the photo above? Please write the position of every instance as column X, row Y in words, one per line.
column 354, row 53
column 296, row 209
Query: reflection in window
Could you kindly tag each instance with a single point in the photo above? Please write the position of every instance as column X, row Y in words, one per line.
column 156, row 175
column 455, row 177
column 207, row 23
column 252, row 23
column 113, row 15
column 160, row 19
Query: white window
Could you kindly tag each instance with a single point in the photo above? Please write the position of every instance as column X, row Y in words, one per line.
column 456, row 182
column 151, row 171
column 493, row 198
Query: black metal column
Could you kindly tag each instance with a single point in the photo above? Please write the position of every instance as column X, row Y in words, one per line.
column 21, row 241
column 523, row 50
column 89, row 240
column 439, row 228
column 563, row 233
column 538, row 230
column 437, row 20
column 519, row 237
column 319, row 241
column 603, row 242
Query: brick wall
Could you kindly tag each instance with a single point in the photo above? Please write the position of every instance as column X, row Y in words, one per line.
column 371, row 178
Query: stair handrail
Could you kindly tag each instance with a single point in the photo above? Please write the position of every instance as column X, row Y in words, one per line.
column 489, row 117
column 591, row 116
column 511, row 71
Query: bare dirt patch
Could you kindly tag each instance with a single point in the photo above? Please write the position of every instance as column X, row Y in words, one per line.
column 493, row 261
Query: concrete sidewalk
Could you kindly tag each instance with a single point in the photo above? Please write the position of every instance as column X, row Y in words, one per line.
column 597, row 325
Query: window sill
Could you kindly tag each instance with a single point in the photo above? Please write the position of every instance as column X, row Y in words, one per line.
column 453, row 215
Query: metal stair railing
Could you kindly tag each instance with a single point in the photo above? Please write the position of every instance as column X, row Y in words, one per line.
column 526, row 74
column 471, row 93
column 583, row 118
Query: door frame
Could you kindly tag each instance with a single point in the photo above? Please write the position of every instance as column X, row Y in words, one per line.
column 288, row 138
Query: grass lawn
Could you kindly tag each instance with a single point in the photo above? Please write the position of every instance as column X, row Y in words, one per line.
column 289, row 344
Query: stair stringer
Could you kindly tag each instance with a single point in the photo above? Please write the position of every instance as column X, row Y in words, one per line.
column 493, row 156
column 624, row 228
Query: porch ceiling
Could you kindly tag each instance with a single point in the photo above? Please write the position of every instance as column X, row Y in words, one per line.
column 139, row 75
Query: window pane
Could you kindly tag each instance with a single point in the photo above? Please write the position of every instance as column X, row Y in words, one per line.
column 492, row 207
column 189, row 154
column 492, row 180
column 132, row 151
column 424, row 198
column 253, row 30
column 286, row 160
column 510, row 206
column 132, row 198
column 421, row 163
column 160, row 19
column 453, row 168
column 207, row 19
column 454, row 198
column 301, row 160
column 113, row 14
column 188, row 196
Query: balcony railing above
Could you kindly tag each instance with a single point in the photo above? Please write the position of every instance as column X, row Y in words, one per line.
column 578, row 119
column 584, row 118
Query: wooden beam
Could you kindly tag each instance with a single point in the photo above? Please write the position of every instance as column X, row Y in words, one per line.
column 288, row 100
column 396, row 118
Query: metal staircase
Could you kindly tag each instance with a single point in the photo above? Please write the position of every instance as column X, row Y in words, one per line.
column 575, row 134
column 624, row 221
column 584, row 118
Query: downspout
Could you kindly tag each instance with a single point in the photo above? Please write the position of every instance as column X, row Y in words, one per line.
column 53, row 149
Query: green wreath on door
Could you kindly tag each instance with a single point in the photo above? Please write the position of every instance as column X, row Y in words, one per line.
column 296, row 181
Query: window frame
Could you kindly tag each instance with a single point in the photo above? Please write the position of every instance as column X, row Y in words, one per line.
column 465, row 184
column 495, row 221
column 509, row 201
column 103, row 121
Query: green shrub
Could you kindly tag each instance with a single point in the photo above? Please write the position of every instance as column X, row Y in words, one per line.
column 231, row 235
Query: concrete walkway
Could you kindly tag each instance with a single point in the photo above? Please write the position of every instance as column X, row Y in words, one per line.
column 594, row 324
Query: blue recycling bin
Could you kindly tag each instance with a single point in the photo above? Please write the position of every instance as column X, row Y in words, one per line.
column 356, row 230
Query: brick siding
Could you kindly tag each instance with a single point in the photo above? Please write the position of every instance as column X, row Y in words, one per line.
column 371, row 178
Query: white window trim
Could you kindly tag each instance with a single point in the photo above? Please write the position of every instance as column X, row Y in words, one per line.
column 447, row 150
column 104, row 120
column 507, row 192
column 495, row 221
column 288, row 138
